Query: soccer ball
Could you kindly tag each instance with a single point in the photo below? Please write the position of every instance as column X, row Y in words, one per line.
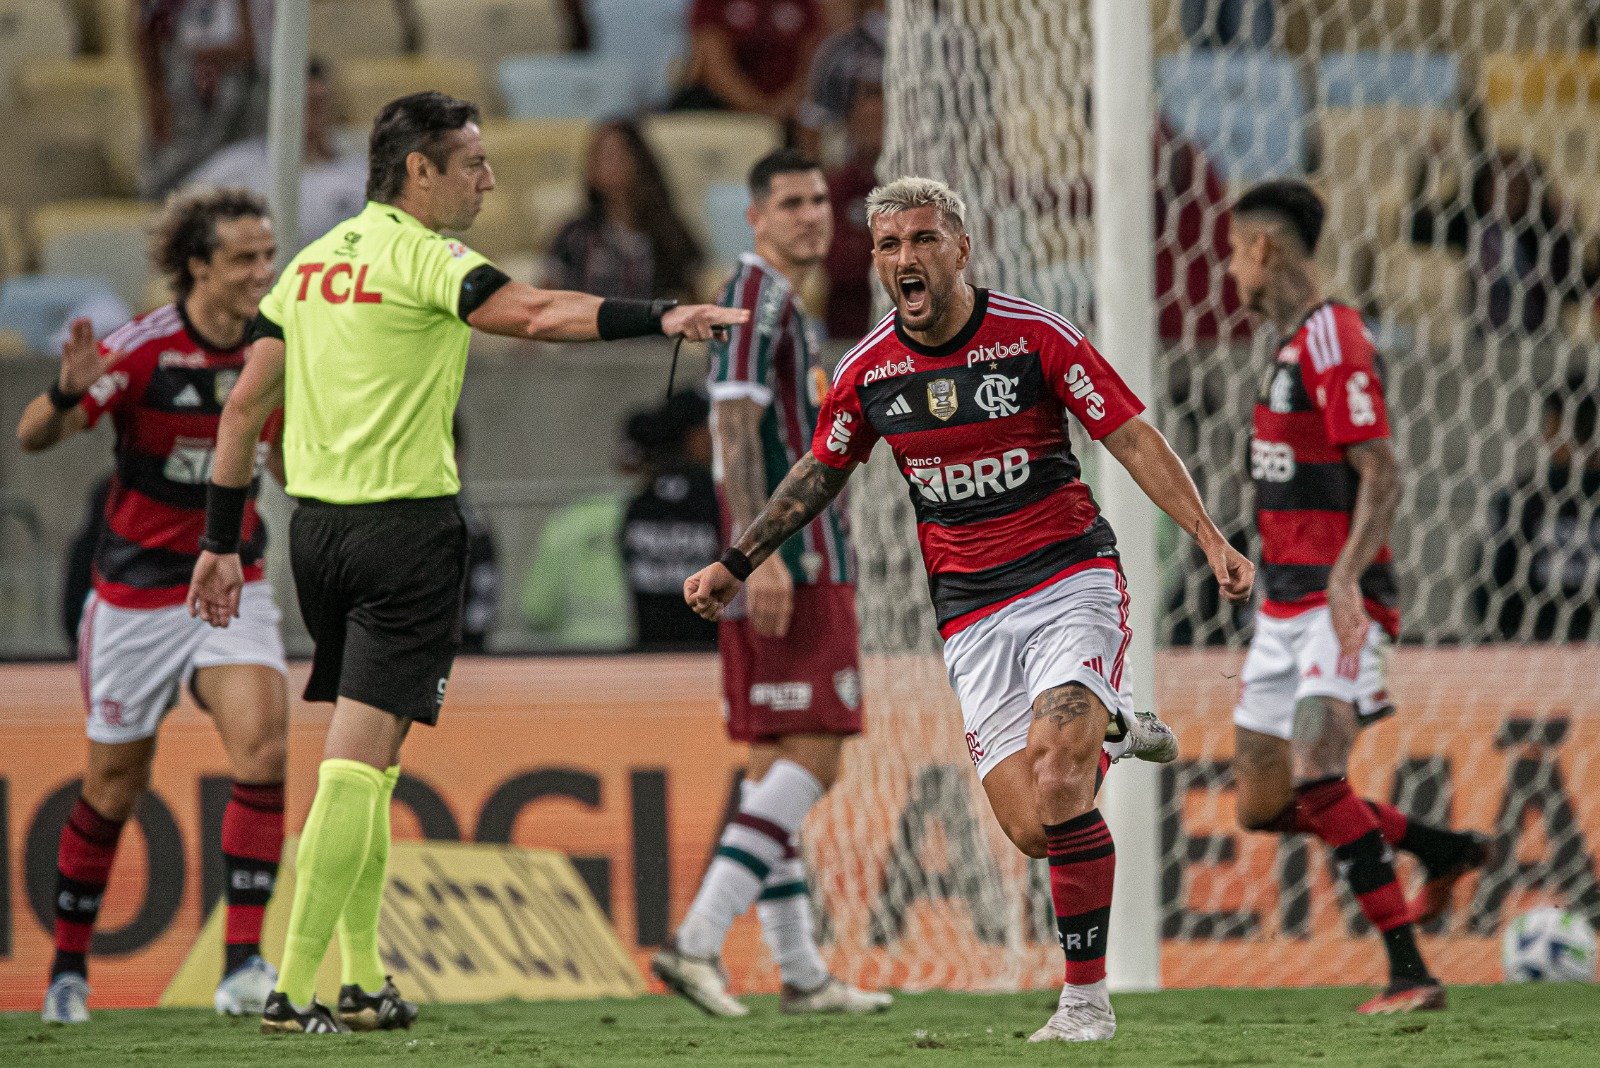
column 1548, row 944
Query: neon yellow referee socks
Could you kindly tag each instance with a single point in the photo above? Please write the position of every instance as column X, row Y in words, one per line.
column 334, row 846
column 358, row 923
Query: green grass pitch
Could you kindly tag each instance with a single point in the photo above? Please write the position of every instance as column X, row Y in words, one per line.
column 1525, row 1026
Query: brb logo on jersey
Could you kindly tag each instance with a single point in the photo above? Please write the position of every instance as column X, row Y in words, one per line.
column 997, row 395
column 991, row 475
column 839, row 434
column 1271, row 461
column 1081, row 386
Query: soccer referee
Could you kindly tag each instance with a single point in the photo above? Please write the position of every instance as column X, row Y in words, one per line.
column 363, row 343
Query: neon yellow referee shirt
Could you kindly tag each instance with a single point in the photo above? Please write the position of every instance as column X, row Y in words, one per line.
column 375, row 353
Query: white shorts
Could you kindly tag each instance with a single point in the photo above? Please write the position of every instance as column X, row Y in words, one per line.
column 134, row 661
column 1299, row 657
column 1075, row 630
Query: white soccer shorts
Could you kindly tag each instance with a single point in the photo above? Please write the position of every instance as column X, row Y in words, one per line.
column 1075, row 630
column 133, row 661
column 1299, row 657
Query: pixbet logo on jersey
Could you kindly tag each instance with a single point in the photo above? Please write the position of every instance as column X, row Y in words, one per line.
column 1081, row 386
column 981, row 478
column 888, row 370
column 997, row 351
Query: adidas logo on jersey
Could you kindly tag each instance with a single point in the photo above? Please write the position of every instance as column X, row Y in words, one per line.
column 189, row 397
column 900, row 407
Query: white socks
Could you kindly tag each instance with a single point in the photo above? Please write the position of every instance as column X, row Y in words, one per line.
column 756, row 851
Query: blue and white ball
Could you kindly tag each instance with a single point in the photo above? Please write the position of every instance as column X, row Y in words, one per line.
column 1548, row 944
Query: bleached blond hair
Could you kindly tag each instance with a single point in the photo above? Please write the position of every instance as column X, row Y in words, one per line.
column 909, row 192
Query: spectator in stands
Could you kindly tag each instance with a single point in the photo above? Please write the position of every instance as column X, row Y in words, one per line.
column 670, row 527
column 1518, row 240
column 1220, row 23
column 750, row 55
column 1542, row 559
column 847, row 62
column 333, row 178
column 482, row 603
column 203, row 65
column 849, row 261
column 629, row 241
column 574, row 596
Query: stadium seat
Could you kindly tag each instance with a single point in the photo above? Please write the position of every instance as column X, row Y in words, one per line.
column 40, row 168
column 528, row 152
column 565, row 87
column 729, row 230
column 702, row 149
column 548, row 207
column 648, row 37
column 99, row 239
column 87, row 100
column 356, row 29
column 37, row 307
column 32, row 30
column 1246, row 108
column 105, row 27
column 501, row 228
column 1417, row 285
column 1369, row 79
column 1369, row 159
column 486, row 31
column 1534, row 81
column 13, row 251
column 365, row 85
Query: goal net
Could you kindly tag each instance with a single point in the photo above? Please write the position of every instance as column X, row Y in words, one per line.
column 1455, row 142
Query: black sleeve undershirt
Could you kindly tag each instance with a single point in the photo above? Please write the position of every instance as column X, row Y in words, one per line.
column 261, row 327
column 478, row 286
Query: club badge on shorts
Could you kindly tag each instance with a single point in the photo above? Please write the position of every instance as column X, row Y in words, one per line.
column 942, row 400
column 847, row 684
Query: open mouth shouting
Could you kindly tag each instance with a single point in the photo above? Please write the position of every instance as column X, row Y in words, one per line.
column 913, row 295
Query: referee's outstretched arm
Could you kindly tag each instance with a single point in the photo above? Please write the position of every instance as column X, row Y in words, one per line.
column 520, row 310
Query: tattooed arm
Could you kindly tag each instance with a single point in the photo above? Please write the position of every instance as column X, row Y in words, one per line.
column 770, row 595
column 804, row 492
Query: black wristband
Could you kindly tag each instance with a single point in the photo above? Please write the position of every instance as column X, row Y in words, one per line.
column 631, row 318
column 224, row 517
column 737, row 563
column 60, row 399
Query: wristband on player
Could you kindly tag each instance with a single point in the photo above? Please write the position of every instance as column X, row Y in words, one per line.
column 737, row 563
column 60, row 399
column 224, row 517
column 631, row 318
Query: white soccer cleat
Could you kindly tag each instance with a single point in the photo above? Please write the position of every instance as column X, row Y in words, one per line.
column 699, row 979
column 243, row 991
column 1083, row 1015
column 66, row 1001
column 834, row 996
column 1148, row 739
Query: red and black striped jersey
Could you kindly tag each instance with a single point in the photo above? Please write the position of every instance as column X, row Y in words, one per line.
column 978, row 427
column 165, row 397
column 1324, row 392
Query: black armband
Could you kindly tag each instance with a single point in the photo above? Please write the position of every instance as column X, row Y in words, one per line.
column 737, row 563
column 261, row 327
column 481, row 283
column 61, row 400
column 631, row 318
column 224, row 517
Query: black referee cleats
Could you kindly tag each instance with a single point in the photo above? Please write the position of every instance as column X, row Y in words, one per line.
column 280, row 1017
column 384, row 1011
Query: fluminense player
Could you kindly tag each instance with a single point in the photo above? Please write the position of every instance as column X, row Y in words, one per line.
column 1327, row 487
column 162, row 379
column 363, row 341
column 791, row 680
column 971, row 389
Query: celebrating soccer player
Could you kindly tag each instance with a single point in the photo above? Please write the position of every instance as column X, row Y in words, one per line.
column 971, row 388
column 363, row 341
column 163, row 379
column 791, row 681
column 1327, row 486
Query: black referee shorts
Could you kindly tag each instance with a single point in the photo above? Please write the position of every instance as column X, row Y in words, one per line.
column 381, row 588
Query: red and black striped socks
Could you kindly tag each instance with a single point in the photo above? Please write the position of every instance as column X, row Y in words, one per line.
column 1332, row 811
column 1082, row 863
column 83, row 865
column 252, row 842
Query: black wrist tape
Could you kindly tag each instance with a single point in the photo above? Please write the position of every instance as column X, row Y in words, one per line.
column 631, row 318
column 737, row 563
column 60, row 399
column 224, row 517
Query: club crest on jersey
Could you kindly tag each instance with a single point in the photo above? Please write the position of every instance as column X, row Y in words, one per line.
column 1281, row 396
column 225, row 382
column 997, row 395
column 942, row 399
